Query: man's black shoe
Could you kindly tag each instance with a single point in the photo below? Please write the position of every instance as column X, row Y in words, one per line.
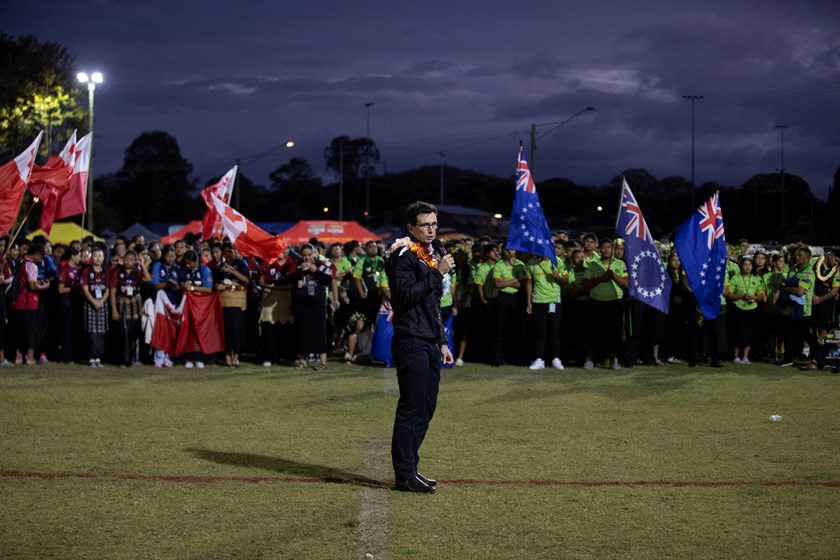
column 426, row 481
column 413, row 485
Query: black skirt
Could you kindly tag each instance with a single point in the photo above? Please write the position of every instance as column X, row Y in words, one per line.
column 234, row 319
column 310, row 323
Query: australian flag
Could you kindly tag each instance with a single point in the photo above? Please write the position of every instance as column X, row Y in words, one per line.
column 701, row 245
column 649, row 281
column 528, row 229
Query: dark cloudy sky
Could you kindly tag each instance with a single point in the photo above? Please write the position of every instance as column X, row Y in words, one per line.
column 466, row 78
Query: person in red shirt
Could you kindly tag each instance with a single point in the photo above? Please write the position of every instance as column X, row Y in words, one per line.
column 25, row 306
column 69, row 290
column 127, row 305
column 95, row 291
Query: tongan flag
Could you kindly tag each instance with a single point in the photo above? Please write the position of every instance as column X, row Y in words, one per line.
column 13, row 178
column 44, row 187
column 701, row 244
column 649, row 282
column 74, row 200
column 246, row 237
column 528, row 229
column 211, row 224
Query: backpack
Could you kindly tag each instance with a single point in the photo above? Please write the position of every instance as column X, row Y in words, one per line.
column 16, row 287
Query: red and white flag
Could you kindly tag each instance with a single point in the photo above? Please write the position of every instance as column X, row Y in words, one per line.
column 247, row 238
column 194, row 325
column 13, row 179
column 211, row 225
column 50, row 182
column 74, row 200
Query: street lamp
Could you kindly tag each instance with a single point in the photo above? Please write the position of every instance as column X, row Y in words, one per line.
column 368, row 105
column 692, row 98
column 782, row 128
column 91, row 81
column 442, row 180
column 558, row 124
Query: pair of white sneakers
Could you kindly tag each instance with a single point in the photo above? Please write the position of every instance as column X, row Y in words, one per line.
column 190, row 365
column 540, row 364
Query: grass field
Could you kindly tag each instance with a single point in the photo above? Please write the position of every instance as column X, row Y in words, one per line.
column 278, row 463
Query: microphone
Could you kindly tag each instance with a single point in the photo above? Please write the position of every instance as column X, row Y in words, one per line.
column 438, row 247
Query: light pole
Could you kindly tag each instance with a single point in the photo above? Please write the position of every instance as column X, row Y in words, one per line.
column 341, row 181
column 442, row 180
column 692, row 98
column 368, row 105
column 558, row 124
column 91, row 81
column 782, row 128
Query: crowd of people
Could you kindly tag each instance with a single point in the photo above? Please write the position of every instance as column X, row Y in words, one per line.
column 87, row 302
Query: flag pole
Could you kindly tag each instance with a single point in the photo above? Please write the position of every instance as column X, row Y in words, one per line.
column 617, row 216
column 22, row 222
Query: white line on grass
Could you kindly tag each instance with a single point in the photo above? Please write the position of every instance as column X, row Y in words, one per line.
column 373, row 507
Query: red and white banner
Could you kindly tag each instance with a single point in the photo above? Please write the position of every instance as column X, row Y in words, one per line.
column 247, row 238
column 13, row 179
column 194, row 325
column 50, row 182
column 211, row 225
column 74, row 200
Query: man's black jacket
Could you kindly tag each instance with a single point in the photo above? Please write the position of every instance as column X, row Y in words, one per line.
column 416, row 290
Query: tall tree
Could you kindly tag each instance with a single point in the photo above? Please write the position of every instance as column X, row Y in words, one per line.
column 38, row 91
column 294, row 177
column 358, row 154
column 154, row 183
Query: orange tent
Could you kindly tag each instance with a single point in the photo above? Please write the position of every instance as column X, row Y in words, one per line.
column 192, row 227
column 327, row 231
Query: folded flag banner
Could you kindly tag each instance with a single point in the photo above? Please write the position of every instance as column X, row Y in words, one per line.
column 194, row 325
column 383, row 333
column 43, row 182
column 528, row 228
column 649, row 281
column 211, row 224
column 701, row 244
column 247, row 238
column 13, row 179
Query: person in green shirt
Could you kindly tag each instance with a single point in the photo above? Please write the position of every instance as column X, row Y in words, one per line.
column 484, row 301
column 773, row 280
column 542, row 295
column 365, row 276
column 745, row 290
column 508, row 276
column 606, row 279
column 799, row 289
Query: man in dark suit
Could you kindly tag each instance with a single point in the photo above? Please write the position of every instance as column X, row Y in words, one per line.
column 416, row 279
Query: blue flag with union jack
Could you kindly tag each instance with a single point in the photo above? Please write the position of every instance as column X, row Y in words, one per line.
column 528, row 229
column 701, row 244
column 648, row 280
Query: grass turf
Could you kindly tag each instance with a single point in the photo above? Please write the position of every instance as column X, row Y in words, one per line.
column 275, row 463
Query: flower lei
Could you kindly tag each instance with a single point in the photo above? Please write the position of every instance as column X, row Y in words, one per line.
column 831, row 271
column 421, row 252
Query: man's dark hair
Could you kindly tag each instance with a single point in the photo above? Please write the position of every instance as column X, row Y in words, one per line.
column 416, row 208
column 35, row 248
column 190, row 256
